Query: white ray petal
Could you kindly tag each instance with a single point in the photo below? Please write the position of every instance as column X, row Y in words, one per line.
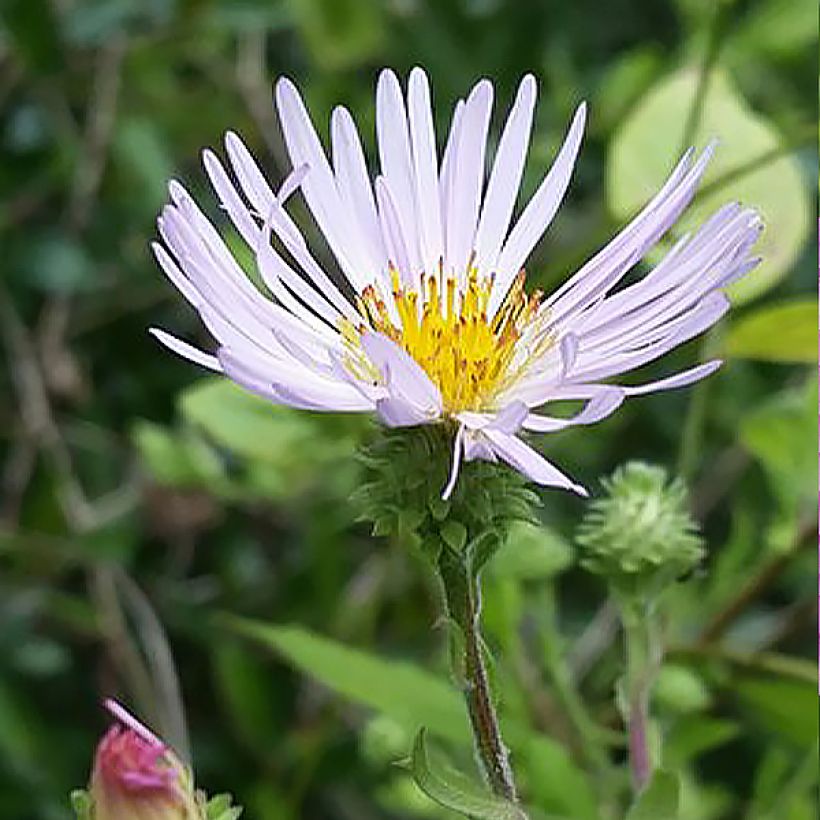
column 425, row 165
column 468, row 179
column 505, row 178
column 539, row 212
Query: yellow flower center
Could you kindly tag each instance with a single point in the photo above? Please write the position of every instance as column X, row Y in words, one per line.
column 446, row 329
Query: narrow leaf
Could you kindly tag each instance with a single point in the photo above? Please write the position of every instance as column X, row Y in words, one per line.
column 454, row 791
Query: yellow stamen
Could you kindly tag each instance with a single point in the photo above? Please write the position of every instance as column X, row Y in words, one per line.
column 445, row 328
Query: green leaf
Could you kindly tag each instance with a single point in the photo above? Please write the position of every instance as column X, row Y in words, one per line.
column 294, row 447
column 785, row 332
column 531, row 553
column 646, row 147
column 401, row 690
column 175, row 459
column 454, row 791
column 659, row 801
column 692, row 735
column 777, row 433
column 340, row 33
column 781, row 706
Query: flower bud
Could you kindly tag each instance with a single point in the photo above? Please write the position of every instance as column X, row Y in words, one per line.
column 640, row 535
column 136, row 776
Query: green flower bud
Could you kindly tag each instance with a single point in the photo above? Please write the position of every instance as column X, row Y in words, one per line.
column 640, row 535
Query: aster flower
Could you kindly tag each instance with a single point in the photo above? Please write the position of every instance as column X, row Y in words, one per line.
column 430, row 321
column 138, row 777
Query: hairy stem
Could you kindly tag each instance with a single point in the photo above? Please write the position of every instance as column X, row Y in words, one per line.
column 462, row 593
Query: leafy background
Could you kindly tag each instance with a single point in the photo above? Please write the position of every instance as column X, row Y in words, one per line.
column 166, row 538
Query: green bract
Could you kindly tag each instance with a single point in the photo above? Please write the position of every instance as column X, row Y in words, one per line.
column 406, row 470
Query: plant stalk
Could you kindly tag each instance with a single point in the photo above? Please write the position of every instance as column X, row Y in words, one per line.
column 462, row 593
column 642, row 659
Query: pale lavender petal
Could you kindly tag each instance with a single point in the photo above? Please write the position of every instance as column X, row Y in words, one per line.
column 539, row 211
column 185, row 350
column 510, row 418
column 528, row 462
column 468, row 179
column 598, row 407
column 319, row 187
column 682, row 379
column 354, row 186
column 404, row 377
column 447, row 174
column 398, row 412
column 396, row 159
column 505, row 178
column 425, row 164
column 397, row 252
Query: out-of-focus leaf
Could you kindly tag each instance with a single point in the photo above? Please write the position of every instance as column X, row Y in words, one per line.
column 785, row 332
column 454, row 791
column 248, row 426
column 531, row 553
column 555, row 783
column 58, row 263
column 176, row 459
column 659, row 801
column 144, row 161
column 249, row 15
column 340, row 33
column 782, row 707
column 246, row 694
column 96, row 22
column 781, row 434
column 32, row 25
column 679, row 689
column 627, row 78
column 693, row 735
column 646, row 146
column 777, row 27
column 407, row 693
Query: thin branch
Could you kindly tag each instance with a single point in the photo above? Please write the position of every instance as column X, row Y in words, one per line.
column 758, row 584
column 99, row 127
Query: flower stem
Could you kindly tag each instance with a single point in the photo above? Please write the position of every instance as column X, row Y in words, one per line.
column 462, row 593
column 642, row 659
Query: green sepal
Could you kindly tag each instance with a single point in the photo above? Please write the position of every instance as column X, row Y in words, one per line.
column 220, row 807
column 482, row 548
column 454, row 791
column 82, row 804
column 454, row 534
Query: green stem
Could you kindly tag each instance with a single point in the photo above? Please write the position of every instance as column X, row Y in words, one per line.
column 696, row 413
column 462, row 593
column 642, row 660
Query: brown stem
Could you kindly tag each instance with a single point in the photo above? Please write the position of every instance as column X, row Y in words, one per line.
column 483, row 716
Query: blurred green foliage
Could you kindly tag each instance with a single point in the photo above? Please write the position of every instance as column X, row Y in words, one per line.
column 171, row 540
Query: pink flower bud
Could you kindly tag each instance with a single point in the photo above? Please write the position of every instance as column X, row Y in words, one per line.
column 137, row 776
